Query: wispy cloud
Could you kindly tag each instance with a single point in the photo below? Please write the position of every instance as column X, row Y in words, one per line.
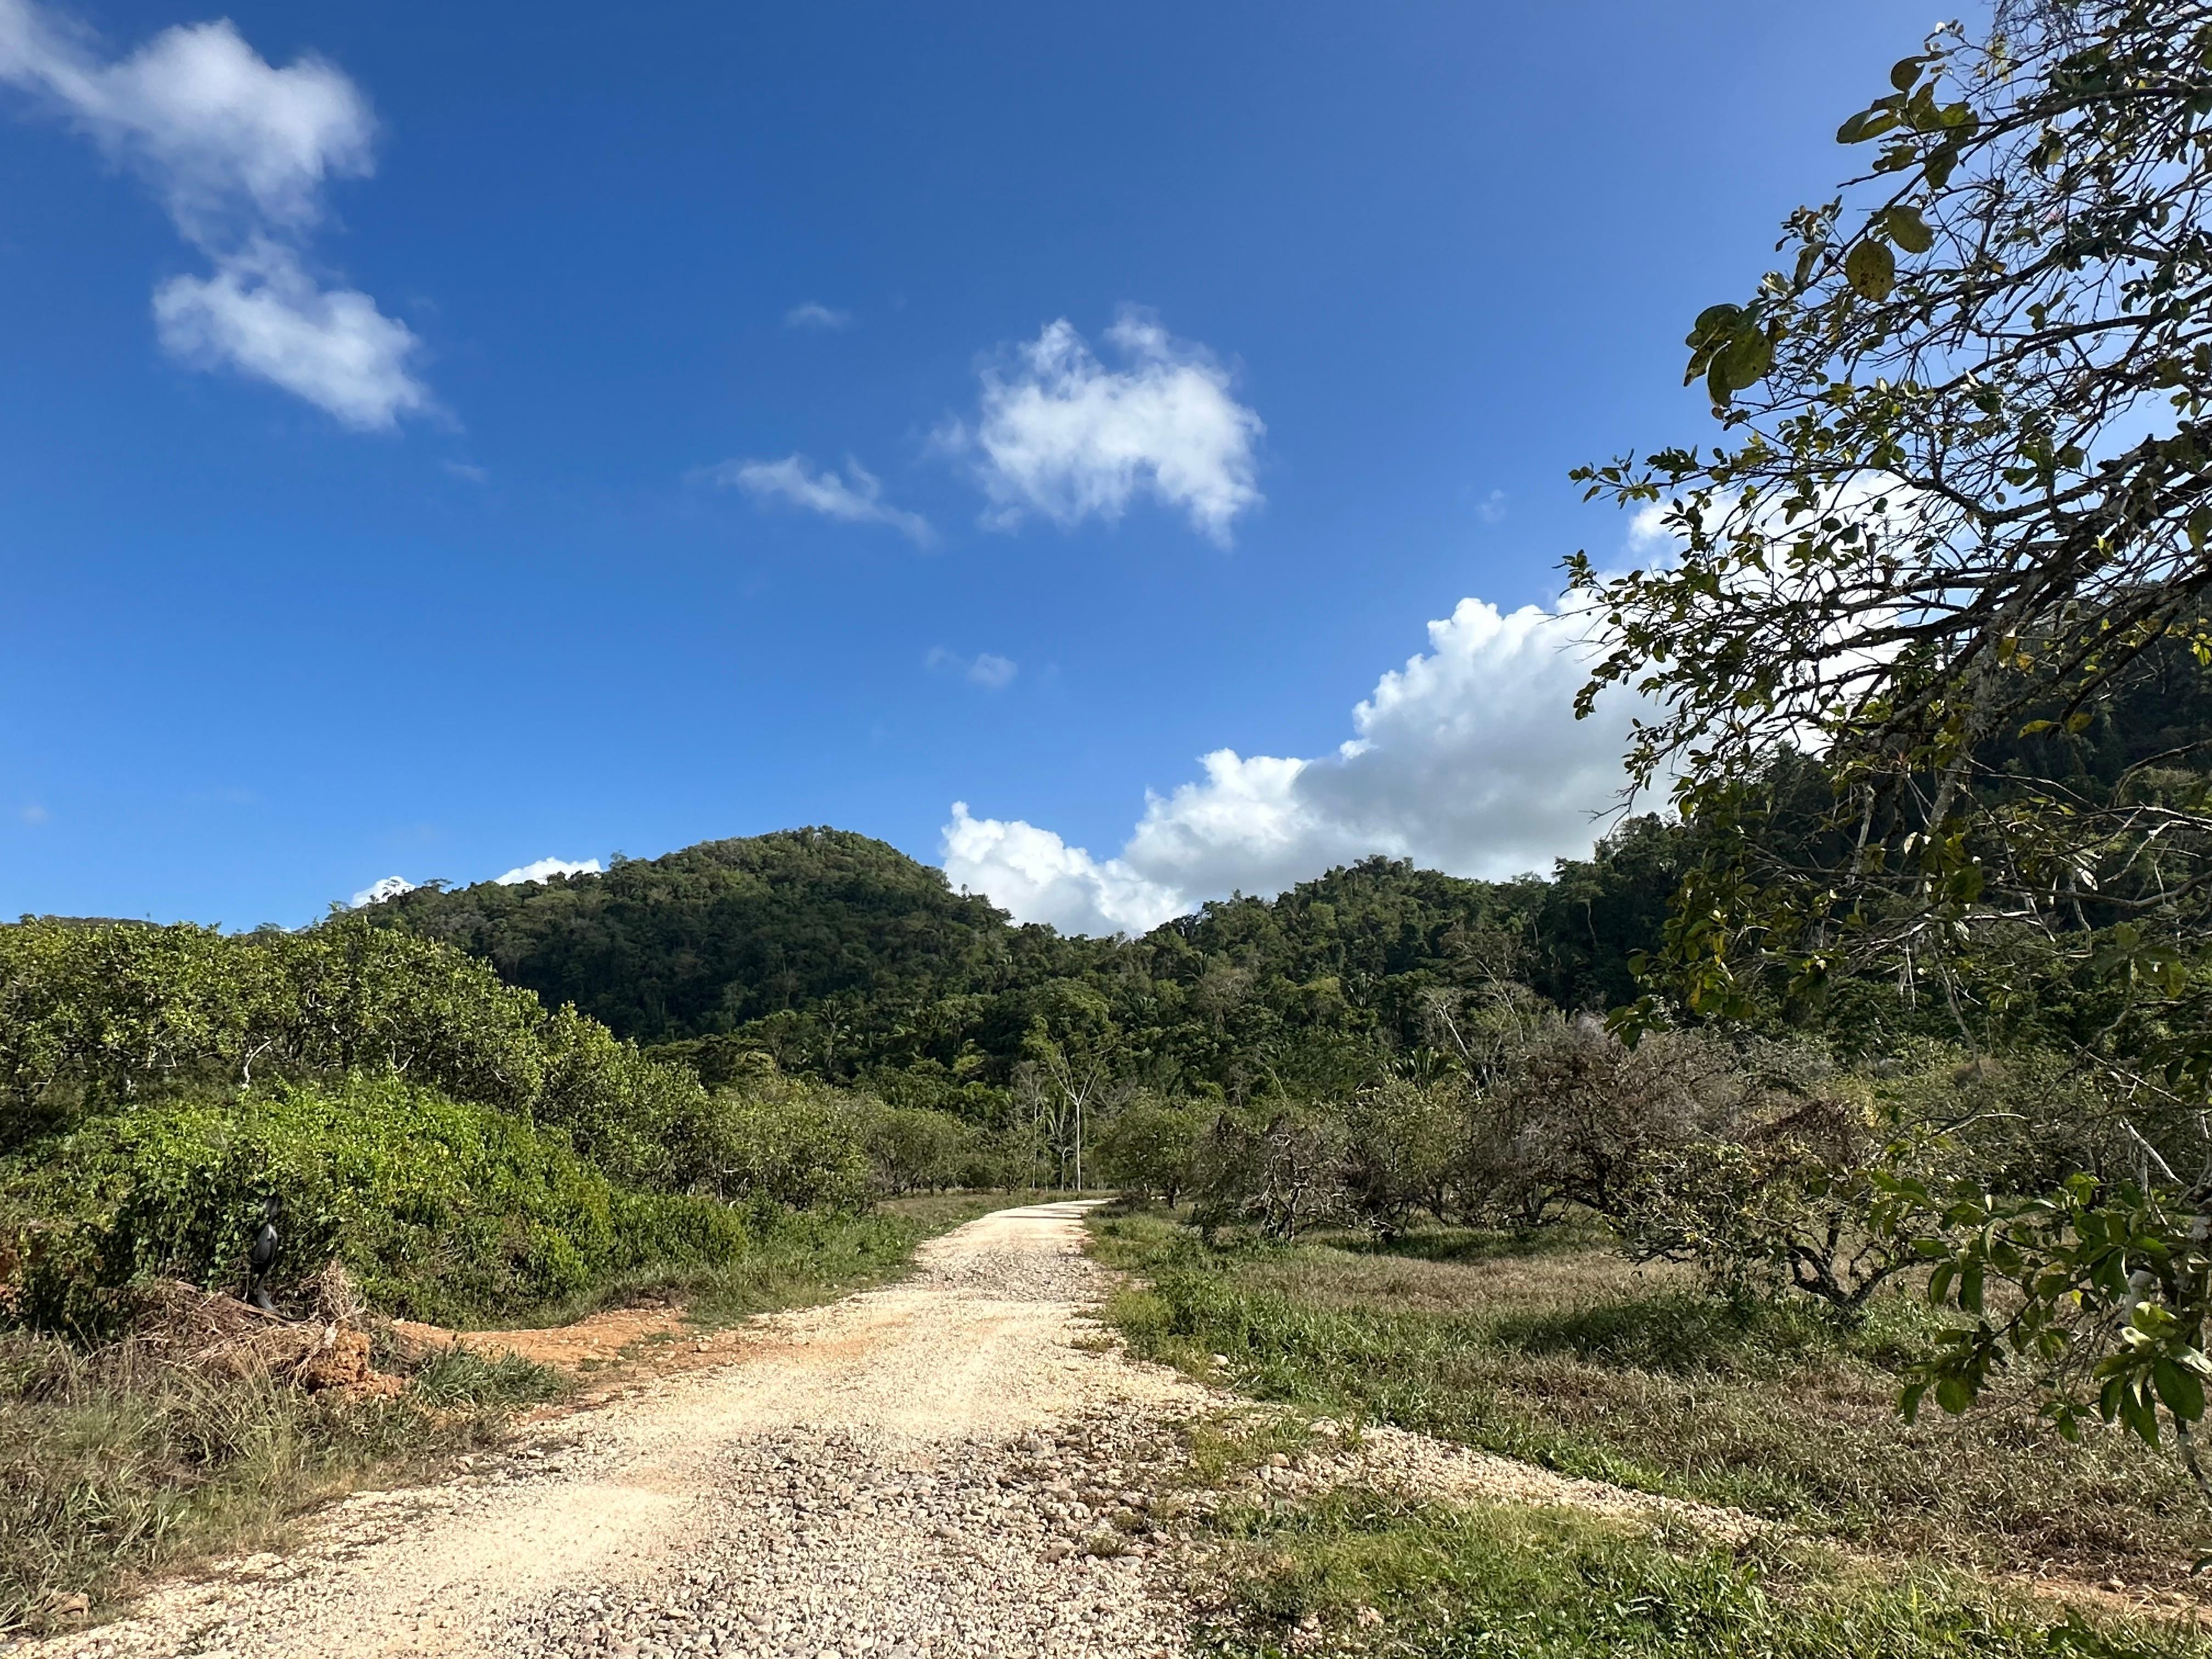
column 1057, row 433
column 239, row 153
column 986, row 668
column 853, row 497
column 815, row 315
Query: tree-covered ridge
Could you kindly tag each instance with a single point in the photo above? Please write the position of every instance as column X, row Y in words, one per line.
column 724, row 933
column 840, row 955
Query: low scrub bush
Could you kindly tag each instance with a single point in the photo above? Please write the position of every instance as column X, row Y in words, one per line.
column 105, row 1018
column 792, row 1141
column 441, row 1210
column 917, row 1149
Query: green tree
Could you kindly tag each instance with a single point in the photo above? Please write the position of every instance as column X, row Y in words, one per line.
column 1959, row 517
column 1148, row 1146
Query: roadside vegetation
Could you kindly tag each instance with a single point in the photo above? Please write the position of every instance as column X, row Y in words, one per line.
column 121, row 1460
column 1294, row 1559
column 431, row 1145
column 1551, row 1347
column 1370, row 1571
column 1877, row 1205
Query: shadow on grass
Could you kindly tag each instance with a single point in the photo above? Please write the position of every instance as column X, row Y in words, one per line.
column 1469, row 1246
column 1675, row 1335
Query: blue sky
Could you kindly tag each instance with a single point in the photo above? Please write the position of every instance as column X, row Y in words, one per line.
column 436, row 439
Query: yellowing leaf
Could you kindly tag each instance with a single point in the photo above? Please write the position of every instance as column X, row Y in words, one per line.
column 1871, row 268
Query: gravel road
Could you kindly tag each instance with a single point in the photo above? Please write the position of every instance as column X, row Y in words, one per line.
column 948, row 1467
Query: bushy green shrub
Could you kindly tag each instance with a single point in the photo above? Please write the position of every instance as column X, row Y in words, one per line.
column 644, row 1123
column 96, row 1018
column 790, row 1140
column 1149, row 1146
column 913, row 1148
column 1405, row 1148
column 439, row 1209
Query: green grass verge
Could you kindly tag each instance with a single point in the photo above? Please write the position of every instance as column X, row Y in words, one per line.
column 1367, row 1572
column 1554, row 1350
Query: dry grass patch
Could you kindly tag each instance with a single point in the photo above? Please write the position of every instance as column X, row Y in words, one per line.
column 1572, row 1359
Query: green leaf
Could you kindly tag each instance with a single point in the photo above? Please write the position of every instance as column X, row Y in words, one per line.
column 1871, row 268
column 1713, row 321
column 1743, row 361
column 1903, row 72
column 1867, row 124
column 2183, row 1392
column 1908, row 229
column 1955, row 1393
column 1970, row 1288
column 2139, row 1415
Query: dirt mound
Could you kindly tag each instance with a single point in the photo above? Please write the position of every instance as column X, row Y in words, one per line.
column 220, row 1336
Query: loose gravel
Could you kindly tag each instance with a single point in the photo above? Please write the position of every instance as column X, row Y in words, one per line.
column 951, row 1466
column 958, row 1466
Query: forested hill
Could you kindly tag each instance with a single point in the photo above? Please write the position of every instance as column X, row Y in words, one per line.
column 842, row 956
column 724, row 933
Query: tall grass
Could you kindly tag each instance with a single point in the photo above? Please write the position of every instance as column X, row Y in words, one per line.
column 114, row 1463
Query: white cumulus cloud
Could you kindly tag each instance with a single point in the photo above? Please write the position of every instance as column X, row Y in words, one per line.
column 239, row 152
column 1469, row 759
column 377, row 891
column 1040, row 878
column 855, row 498
column 1058, row 434
column 262, row 313
column 540, row 870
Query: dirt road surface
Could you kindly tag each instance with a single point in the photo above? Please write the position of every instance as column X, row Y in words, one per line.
column 924, row 1472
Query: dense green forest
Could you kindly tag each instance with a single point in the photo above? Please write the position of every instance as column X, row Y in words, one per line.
column 841, row 957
